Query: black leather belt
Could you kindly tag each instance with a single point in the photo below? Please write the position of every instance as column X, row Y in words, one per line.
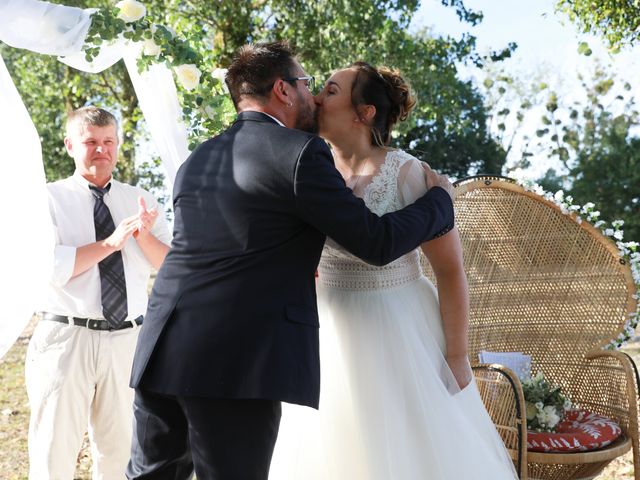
column 91, row 323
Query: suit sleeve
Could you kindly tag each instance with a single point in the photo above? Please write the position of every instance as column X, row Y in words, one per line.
column 324, row 201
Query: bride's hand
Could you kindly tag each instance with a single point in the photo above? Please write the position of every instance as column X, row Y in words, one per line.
column 459, row 365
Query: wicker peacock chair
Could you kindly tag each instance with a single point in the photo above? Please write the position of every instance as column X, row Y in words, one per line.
column 544, row 284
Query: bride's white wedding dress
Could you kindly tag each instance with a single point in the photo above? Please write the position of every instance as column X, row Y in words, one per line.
column 390, row 408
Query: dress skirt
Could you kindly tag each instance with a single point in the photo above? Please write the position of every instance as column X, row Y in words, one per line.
column 390, row 408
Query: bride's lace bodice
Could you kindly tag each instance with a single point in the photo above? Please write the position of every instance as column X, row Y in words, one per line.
column 399, row 182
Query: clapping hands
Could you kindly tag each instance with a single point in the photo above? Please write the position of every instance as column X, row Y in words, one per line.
column 145, row 218
column 138, row 226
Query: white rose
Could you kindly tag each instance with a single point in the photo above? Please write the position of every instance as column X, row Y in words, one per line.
column 542, row 418
column 151, row 48
column 131, row 10
column 552, row 417
column 188, row 75
column 220, row 74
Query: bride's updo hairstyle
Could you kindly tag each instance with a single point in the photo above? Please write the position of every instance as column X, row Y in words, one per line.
column 385, row 89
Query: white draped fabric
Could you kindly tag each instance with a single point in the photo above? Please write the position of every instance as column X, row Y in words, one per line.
column 158, row 98
column 109, row 55
column 25, row 243
column 43, row 27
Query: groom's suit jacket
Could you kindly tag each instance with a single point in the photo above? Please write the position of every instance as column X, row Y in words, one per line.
column 233, row 309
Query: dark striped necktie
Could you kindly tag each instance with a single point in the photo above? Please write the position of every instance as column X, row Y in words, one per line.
column 112, row 283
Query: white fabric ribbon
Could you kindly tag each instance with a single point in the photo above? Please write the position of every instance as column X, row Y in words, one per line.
column 43, row 27
column 109, row 55
column 60, row 30
column 27, row 241
column 158, row 98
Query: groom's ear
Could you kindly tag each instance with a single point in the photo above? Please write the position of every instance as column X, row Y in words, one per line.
column 281, row 91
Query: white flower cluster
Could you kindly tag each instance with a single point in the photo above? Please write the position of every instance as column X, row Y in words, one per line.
column 545, row 403
column 629, row 251
column 547, row 416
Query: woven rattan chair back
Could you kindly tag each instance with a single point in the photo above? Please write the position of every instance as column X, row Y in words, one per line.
column 540, row 282
column 543, row 283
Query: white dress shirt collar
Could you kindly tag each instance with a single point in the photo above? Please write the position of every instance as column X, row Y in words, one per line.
column 277, row 121
column 77, row 177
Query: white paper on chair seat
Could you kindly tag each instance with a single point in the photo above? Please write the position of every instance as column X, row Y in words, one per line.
column 516, row 361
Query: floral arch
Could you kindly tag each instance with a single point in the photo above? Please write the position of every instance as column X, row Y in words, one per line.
column 178, row 114
column 89, row 40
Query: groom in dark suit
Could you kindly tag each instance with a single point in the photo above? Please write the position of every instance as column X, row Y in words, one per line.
column 232, row 325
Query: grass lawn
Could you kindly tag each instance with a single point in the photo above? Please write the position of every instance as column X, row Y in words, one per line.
column 14, row 417
column 14, row 421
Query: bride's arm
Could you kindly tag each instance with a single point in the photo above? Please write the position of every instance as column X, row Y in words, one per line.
column 445, row 256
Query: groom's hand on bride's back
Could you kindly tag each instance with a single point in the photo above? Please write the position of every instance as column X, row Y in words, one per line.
column 434, row 179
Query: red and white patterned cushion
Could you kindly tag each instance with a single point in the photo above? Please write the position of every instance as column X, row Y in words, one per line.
column 580, row 431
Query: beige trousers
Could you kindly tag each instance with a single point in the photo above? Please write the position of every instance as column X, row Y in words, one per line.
column 74, row 377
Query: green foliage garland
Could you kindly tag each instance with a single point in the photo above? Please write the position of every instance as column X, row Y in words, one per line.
column 205, row 104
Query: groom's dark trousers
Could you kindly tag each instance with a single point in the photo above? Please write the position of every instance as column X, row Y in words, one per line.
column 232, row 324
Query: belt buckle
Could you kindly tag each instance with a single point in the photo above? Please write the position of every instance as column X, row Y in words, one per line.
column 93, row 324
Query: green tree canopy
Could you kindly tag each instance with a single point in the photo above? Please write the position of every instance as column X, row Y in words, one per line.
column 617, row 21
column 448, row 128
column 594, row 136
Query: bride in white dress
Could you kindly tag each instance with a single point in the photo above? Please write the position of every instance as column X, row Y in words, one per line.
column 398, row 400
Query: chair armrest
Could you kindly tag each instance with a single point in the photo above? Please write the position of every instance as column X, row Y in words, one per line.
column 501, row 393
column 616, row 375
column 623, row 377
